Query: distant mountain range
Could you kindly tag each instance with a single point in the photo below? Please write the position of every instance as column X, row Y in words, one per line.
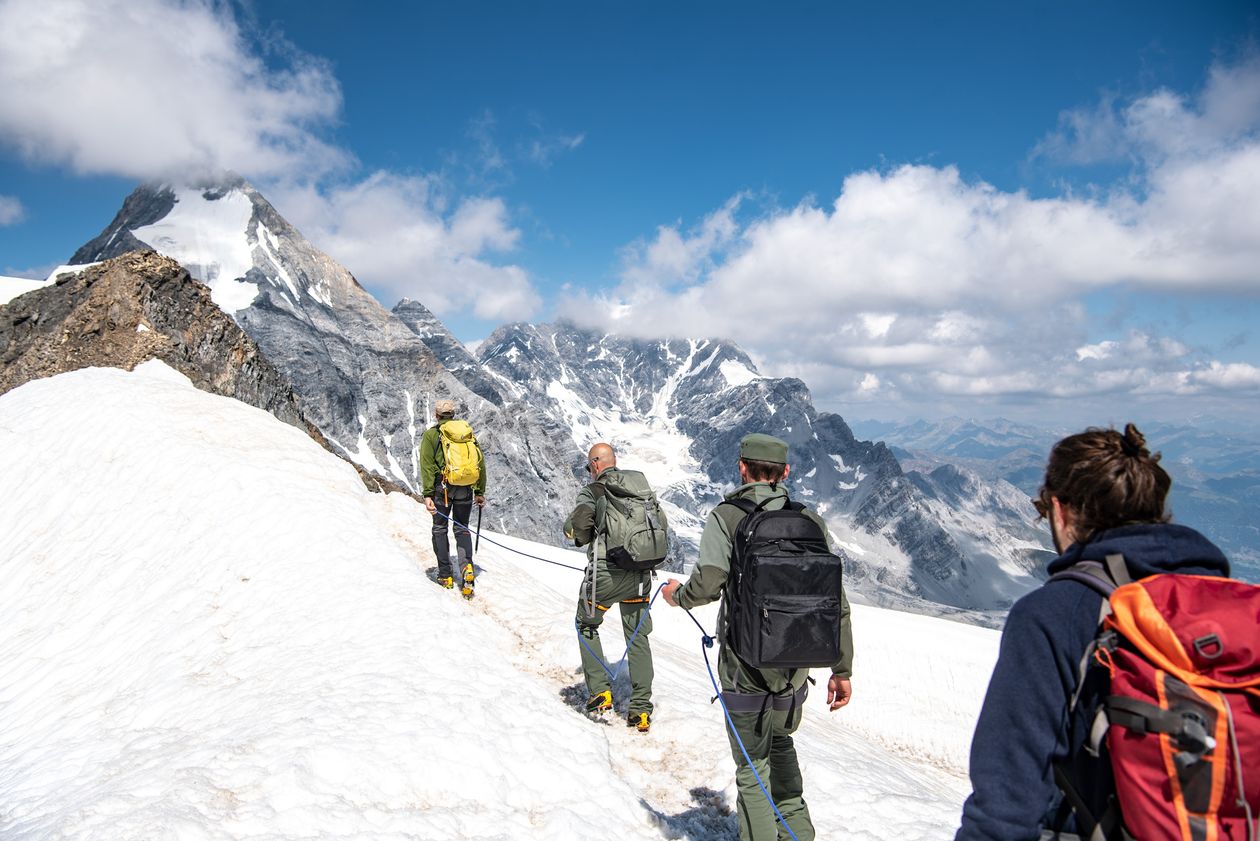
column 1215, row 472
column 677, row 410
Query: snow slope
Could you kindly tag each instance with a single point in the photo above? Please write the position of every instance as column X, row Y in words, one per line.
column 213, row 631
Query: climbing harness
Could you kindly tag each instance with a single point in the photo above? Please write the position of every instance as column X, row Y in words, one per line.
column 707, row 643
column 614, row 672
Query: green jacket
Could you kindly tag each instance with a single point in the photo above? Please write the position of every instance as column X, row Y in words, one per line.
column 580, row 524
column 432, row 461
column 708, row 577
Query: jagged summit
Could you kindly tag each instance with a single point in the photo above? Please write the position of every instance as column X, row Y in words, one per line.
column 227, row 235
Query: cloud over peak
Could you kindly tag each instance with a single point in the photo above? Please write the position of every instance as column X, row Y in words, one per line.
column 917, row 282
column 167, row 89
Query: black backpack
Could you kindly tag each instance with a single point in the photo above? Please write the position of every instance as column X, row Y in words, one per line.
column 783, row 592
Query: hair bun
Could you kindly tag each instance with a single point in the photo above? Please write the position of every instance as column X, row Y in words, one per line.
column 1132, row 442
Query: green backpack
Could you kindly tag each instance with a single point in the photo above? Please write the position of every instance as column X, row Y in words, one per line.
column 630, row 521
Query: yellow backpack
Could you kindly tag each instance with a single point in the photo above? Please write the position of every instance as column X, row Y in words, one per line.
column 460, row 452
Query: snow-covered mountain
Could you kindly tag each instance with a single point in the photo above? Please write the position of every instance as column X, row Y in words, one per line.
column 213, row 631
column 677, row 410
column 363, row 376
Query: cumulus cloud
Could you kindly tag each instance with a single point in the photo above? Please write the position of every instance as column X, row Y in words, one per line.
column 402, row 236
column 11, row 210
column 149, row 88
column 916, row 282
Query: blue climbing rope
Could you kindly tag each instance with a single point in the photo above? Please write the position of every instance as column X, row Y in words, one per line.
column 707, row 643
column 459, row 525
column 613, row 673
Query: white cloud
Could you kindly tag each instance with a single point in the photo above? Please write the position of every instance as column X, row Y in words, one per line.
column 1102, row 350
column 1163, row 124
column 1230, row 377
column 401, row 237
column 11, row 210
column 937, row 285
column 147, row 88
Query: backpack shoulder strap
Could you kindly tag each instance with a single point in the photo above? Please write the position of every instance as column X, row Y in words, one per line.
column 732, row 512
column 1101, row 578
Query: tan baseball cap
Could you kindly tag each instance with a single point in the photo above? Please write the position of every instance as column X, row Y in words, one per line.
column 444, row 407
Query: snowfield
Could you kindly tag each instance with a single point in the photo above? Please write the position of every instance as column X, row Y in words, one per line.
column 213, row 631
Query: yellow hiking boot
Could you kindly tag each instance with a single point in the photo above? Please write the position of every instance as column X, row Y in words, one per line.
column 639, row 721
column 600, row 702
column 470, row 581
column 447, row 581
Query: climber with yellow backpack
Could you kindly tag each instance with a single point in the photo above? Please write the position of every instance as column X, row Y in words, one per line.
column 452, row 478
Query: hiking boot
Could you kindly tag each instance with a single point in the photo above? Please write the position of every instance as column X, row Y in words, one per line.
column 639, row 721
column 600, row 702
column 447, row 581
column 470, row 581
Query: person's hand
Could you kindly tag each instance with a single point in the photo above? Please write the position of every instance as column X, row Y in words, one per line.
column 429, row 506
column 481, row 501
column 839, row 691
column 671, row 587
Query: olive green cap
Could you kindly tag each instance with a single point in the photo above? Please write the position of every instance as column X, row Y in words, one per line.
column 761, row 447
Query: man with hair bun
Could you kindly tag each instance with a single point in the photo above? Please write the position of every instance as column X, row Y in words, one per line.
column 1104, row 494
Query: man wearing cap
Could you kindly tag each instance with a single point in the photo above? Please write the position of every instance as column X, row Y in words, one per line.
column 447, row 503
column 763, row 464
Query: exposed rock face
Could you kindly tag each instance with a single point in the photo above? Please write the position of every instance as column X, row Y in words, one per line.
column 451, row 353
column 362, row 375
column 131, row 309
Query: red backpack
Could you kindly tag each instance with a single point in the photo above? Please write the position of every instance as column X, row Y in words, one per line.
column 1182, row 720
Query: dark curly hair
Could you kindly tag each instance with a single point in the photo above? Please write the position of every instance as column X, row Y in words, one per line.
column 1108, row 479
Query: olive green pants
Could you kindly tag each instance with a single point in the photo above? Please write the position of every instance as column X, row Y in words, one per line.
column 614, row 587
column 773, row 754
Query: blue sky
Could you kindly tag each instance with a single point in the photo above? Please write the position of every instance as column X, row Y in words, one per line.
column 1028, row 209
